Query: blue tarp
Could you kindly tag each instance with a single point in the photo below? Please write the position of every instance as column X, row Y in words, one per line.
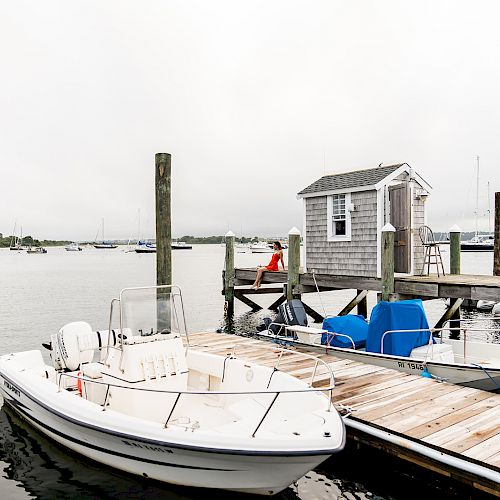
column 402, row 315
column 352, row 324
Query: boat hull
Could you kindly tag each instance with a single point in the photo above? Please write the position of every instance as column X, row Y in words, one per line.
column 471, row 247
column 259, row 472
column 484, row 378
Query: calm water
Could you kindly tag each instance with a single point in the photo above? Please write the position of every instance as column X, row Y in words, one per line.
column 40, row 293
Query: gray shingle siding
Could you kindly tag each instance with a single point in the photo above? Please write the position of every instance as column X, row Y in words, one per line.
column 357, row 257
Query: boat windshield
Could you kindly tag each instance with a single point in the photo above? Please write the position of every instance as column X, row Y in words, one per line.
column 148, row 311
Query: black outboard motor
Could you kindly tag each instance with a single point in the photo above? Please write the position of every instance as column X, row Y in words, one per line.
column 292, row 313
column 289, row 313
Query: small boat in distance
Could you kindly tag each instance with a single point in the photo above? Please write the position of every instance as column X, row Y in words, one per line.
column 36, row 250
column 181, row 245
column 261, row 247
column 15, row 241
column 153, row 406
column 104, row 244
column 73, row 247
column 145, row 247
column 479, row 243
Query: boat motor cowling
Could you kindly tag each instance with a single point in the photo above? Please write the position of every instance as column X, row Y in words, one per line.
column 75, row 343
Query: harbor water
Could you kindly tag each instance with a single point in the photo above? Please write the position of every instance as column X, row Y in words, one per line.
column 41, row 293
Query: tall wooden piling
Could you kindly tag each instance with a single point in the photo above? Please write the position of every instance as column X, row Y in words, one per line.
column 163, row 236
column 387, row 262
column 496, row 256
column 229, row 274
column 455, row 237
column 453, row 313
column 293, row 263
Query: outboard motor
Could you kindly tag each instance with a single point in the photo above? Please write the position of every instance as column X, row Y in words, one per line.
column 290, row 313
column 75, row 343
column 293, row 313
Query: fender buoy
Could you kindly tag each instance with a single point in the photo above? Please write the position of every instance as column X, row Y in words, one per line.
column 79, row 383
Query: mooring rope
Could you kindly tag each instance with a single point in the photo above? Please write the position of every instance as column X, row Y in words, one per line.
column 319, row 295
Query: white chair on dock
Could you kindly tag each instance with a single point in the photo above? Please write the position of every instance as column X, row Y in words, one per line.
column 432, row 253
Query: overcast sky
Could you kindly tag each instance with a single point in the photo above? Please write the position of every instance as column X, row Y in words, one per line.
column 254, row 100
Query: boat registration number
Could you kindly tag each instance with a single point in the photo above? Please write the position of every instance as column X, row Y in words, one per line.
column 411, row 365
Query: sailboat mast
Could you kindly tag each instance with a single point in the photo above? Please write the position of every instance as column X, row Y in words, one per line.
column 489, row 209
column 103, row 229
column 477, row 194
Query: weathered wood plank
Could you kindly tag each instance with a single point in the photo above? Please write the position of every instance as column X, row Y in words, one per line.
column 412, row 418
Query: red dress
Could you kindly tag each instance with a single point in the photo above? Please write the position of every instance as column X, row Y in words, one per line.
column 273, row 265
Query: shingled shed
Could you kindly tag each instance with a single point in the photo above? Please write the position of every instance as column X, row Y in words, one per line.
column 344, row 214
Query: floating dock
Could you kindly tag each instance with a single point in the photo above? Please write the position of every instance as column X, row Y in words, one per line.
column 449, row 429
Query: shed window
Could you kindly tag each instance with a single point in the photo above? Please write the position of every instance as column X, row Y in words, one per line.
column 339, row 217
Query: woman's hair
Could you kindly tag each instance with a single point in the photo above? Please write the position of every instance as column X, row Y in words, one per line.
column 278, row 244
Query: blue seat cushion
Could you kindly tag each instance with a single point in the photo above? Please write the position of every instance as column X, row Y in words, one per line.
column 353, row 325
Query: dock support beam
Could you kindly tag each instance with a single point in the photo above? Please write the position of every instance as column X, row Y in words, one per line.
column 229, row 276
column 356, row 301
column 163, row 167
column 293, row 263
column 387, row 263
column 496, row 253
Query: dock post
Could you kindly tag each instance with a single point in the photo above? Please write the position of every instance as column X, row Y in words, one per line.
column 163, row 164
column 455, row 236
column 387, row 262
column 496, row 253
column 229, row 275
column 454, row 311
column 293, row 262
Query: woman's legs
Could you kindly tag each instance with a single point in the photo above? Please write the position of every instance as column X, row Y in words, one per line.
column 258, row 279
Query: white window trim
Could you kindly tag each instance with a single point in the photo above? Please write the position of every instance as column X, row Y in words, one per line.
column 329, row 216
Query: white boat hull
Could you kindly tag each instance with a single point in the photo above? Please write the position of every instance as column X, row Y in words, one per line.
column 479, row 376
column 109, row 438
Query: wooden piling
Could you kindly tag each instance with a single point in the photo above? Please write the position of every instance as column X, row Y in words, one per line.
column 455, row 237
column 293, row 263
column 163, row 236
column 229, row 275
column 496, row 255
column 387, row 262
column 453, row 313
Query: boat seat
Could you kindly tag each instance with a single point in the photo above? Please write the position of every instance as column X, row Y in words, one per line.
column 92, row 370
column 434, row 352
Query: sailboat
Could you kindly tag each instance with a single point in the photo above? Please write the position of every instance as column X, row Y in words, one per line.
column 16, row 242
column 479, row 242
column 105, row 244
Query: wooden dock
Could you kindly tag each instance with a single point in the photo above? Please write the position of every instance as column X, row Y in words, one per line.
column 442, row 427
column 466, row 286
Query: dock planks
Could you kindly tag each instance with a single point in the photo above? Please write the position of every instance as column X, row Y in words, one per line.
column 455, row 420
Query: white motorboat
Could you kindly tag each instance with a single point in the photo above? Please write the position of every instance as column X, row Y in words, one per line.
column 36, row 250
column 181, row 245
column 261, row 247
column 73, row 247
column 137, row 398
column 429, row 352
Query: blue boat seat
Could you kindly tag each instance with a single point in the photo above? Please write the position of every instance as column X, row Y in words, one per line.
column 402, row 315
column 348, row 331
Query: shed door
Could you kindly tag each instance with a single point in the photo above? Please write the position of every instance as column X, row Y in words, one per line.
column 399, row 198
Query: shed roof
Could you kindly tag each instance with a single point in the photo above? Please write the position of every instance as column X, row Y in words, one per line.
column 358, row 178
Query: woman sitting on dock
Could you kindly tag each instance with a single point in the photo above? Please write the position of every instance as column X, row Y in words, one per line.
column 272, row 266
